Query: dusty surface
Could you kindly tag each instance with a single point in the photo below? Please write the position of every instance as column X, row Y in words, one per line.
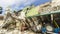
column 15, row 31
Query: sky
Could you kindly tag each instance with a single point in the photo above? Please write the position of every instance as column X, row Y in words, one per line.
column 20, row 4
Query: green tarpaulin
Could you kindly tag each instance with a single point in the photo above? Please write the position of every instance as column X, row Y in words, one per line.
column 32, row 12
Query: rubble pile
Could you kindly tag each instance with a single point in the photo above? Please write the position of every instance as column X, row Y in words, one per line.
column 18, row 23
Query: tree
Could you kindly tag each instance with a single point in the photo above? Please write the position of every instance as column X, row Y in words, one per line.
column 1, row 10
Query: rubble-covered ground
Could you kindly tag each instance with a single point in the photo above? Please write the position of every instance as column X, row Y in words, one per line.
column 14, row 31
column 4, row 31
